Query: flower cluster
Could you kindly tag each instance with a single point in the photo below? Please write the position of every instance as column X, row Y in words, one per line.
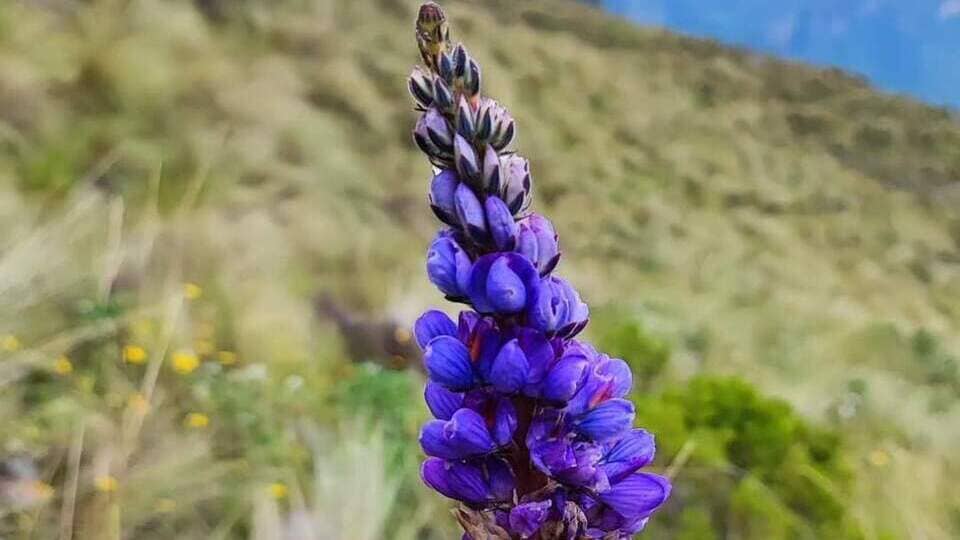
column 532, row 431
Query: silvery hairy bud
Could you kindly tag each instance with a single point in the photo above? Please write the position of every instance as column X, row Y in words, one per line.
column 421, row 88
column 442, row 96
column 465, row 123
column 515, row 182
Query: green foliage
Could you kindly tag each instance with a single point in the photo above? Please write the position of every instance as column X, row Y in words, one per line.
column 756, row 469
column 622, row 336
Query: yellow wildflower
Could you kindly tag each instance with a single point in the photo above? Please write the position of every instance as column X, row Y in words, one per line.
column 134, row 354
column 10, row 343
column 197, row 420
column 192, row 291
column 184, row 362
column 105, row 484
column 166, row 505
column 278, row 490
column 227, row 358
column 62, row 366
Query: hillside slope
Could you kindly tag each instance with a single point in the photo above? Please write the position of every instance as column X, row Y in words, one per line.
column 772, row 220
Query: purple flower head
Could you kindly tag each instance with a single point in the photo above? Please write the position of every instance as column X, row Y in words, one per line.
column 502, row 283
column 508, row 386
column 537, row 241
column 557, row 309
column 448, row 266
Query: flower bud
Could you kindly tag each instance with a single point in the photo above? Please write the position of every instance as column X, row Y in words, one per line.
column 445, row 67
column 465, row 119
column 557, row 309
column 490, row 175
column 432, row 324
column 466, row 159
column 538, row 241
column 565, row 378
column 472, row 80
column 460, row 58
column 442, row 96
column 432, row 134
column 442, row 189
column 502, row 283
column 470, row 214
column 464, row 435
column 421, row 88
column 501, row 224
column 505, row 132
column 448, row 266
column 447, row 362
column 515, row 182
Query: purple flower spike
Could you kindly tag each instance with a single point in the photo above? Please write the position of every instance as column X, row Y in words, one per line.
column 470, row 213
column 464, row 435
column 537, row 240
column 448, row 266
column 503, row 228
column 606, row 421
column 432, row 324
column 527, row 518
column 447, row 361
column 508, row 385
column 509, row 371
column 442, row 189
column 442, row 402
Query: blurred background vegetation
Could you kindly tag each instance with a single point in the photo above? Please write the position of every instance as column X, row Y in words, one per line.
column 213, row 225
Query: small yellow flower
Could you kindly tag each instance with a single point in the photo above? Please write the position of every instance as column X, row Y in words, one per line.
column 192, row 291
column 184, row 362
column 134, row 354
column 166, row 505
column 62, row 366
column 227, row 358
column 138, row 403
column 277, row 490
column 879, row 458
column 42, row 490
column 10, row 343
column 105, row 484
column 203, row 347
column 197, row 420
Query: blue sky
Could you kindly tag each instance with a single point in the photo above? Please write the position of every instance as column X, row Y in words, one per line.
column 903, row 46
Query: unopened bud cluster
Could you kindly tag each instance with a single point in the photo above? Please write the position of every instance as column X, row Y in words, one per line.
column 533, row 433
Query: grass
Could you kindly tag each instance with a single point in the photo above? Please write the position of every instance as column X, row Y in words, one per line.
column 785, row 224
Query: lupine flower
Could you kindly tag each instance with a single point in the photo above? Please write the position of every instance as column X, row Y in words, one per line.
column 532, row 431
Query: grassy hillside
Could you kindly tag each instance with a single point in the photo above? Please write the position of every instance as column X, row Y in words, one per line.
column 784, row 224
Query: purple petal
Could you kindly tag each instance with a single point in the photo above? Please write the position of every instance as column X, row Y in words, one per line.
column 464, row 435
column 491, row 169
column 638, row 495
column 470, row 213
column 505, row 290
column 448, row 266
column 447, row 362
column 620, row 376
column 442, row 402
column 509, row 371
column 442, row 189
column 635, row 450
column 460, row 481
column 565, row 378
column 432, row 324
column 527, row 518
column 609, row 419
column 502, row 226
column 465, row 158
column 504, row 422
